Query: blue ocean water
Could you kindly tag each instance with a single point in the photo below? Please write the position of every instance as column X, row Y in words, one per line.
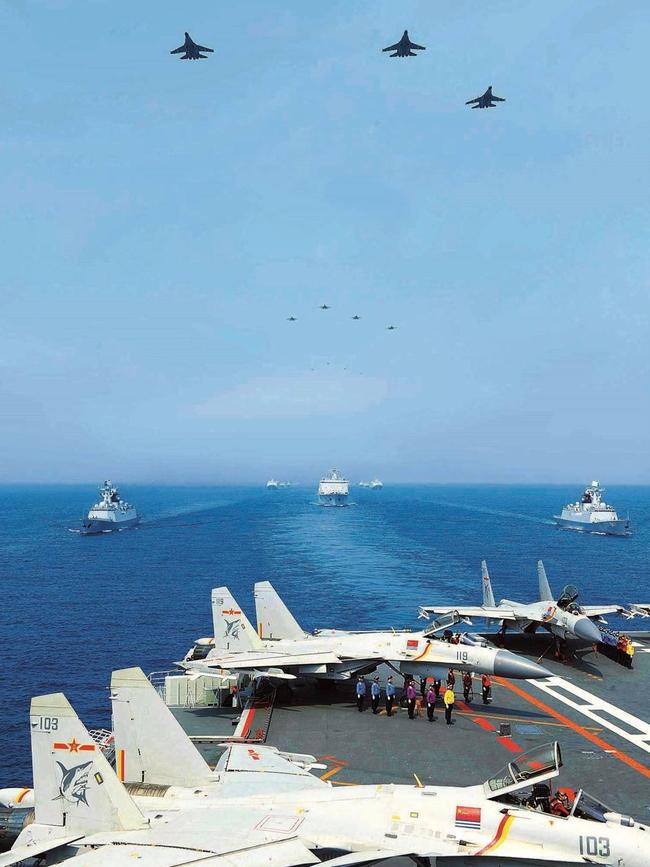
column 74, row 608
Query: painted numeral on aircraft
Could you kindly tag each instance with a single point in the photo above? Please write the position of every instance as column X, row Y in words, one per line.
column 461, row 655
column 594, row 846
column 47, row 724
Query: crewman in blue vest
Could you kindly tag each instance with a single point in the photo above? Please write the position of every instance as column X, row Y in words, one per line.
column 375, row 695
column 390, row 696
column 361, row 693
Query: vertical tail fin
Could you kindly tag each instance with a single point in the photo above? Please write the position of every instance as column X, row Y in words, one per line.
column 545, row 594
column 74, row 785
column 274, row 620
column 150, row 745
column 232, row 629
column 488, row 595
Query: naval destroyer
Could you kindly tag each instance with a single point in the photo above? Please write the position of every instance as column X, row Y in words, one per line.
column 110, row 513
column 591, row 514
column 333, row 490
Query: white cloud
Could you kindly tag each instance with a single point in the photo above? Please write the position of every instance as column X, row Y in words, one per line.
column 303, row 394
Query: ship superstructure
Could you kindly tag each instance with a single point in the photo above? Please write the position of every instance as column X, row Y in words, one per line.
column 376, row 483
column 110, row 513
column 333, row 490
column 592, row 515
column 273, row 484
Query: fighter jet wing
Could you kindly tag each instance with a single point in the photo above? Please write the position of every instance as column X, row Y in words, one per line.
column 392, row 47
column 479, row 611
column 180, row 50
column 248, row 769
column 497, row 98
column 419, row 47
column 472, row 101
column 211, row 50
column 598, row 610
column 264, row 660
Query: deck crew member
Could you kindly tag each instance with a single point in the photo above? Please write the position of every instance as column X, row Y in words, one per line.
column 431, row 702
column 451, row 678
column 361, row 693
column 629, row 653
column 486, row 688
column 449, row 700
column 411, row 695
column 468, row 691
column 621, row 646
column 390, row 696
column 436, row 686
column 423, row 686
column 375, row 695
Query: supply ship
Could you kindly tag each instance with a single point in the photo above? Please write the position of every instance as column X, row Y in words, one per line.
column 333, row 490
column 591, row 515
column 110, row 513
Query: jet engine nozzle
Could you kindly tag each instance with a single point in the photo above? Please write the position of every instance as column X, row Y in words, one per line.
column 587, row 630
column 506, row 664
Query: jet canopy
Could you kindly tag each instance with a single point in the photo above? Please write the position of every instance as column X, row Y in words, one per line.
column 542, row 763
column 443, row 622
column 568, row 596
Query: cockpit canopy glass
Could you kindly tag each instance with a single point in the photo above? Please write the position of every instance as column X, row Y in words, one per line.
column 539, row 764
column 443, row 622
column 569, row 594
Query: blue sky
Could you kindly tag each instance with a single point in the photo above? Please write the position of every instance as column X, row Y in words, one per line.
column 162, row 219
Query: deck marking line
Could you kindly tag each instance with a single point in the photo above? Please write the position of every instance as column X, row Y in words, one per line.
column 592, row 706
column 599, row 742
column 511, row 745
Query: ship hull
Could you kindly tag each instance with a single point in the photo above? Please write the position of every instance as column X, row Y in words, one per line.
column 335, row 500
column 92, row 527
column 607, row 528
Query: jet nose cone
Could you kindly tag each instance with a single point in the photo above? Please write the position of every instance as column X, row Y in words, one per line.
column 587, row 630
column 506, row 664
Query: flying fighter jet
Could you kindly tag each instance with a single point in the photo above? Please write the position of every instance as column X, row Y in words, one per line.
column 405, row 48
column 324, row 307
column 487, row 100
column 280, row 648
column 356, row 317
column 561, row 617
column 391, row 327
column 190, row 50
column 263, row 806
column 291, row 319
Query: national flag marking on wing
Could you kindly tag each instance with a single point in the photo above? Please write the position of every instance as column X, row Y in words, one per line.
column 468, row 817
column 412, row 644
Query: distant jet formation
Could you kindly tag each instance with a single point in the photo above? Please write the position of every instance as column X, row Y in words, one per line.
column 190, row 50
column 487, row 100
column 405, row 48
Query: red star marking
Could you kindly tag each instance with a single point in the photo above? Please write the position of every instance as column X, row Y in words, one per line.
column 73, row 746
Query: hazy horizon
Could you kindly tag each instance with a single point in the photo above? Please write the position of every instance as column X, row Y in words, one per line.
column 165, row 218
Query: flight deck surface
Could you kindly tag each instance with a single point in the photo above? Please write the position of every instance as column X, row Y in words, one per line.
column 597, row 709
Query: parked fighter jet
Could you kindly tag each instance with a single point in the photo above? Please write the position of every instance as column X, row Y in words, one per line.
column 405, row 48
column 190, row 50
column 263, row 806
column 280, row 648
column 561, row 617
column 487, row 100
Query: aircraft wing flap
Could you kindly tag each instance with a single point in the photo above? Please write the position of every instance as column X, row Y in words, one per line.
column 259, row 660
column 494, row 613
column 33, row 850
column 254, row 759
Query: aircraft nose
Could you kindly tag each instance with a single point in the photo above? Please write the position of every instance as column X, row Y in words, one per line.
column 587, row 630
column 506, row 664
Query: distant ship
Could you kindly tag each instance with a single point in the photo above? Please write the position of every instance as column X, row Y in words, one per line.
column 273, row 483
column 364, row 484
column 111, row 513
column 333, row 490
column 376, row 483
column 591, row 515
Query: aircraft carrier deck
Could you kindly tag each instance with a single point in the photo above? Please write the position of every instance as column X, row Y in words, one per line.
column 597, row 709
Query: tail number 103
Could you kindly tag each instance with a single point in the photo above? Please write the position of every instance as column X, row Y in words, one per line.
column 46, row 724
column 594, row 846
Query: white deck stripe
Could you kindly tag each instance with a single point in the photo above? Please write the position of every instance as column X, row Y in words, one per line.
column 591, row 706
